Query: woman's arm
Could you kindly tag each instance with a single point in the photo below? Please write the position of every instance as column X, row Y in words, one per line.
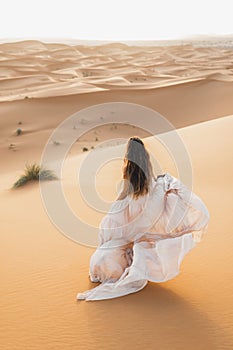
column 124, row 192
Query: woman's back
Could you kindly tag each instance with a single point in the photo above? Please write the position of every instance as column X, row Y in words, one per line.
column 148, row 230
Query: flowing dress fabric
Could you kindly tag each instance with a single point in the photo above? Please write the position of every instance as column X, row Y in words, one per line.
column 146, row 239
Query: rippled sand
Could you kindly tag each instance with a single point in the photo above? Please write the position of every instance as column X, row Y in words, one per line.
column 36, row 69
column 41, row 269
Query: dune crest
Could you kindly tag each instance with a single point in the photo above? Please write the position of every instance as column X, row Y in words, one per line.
column 35, row 69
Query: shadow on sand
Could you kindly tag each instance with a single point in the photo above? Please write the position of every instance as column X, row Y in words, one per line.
column 153, row 318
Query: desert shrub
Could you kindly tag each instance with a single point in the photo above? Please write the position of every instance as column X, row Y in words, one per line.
column 18, row 132
column 85, row 149
column 34, row 172
column 86, row 74
column 56, row 143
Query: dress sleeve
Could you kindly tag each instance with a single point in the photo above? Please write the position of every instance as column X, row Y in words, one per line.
column 184, row 211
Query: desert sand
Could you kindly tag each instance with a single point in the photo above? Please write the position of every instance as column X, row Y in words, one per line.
column 41, row 269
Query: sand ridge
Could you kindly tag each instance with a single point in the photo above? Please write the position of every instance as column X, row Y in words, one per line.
column 36, row 69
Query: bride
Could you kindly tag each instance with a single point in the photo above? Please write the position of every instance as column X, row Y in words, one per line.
column 148, row 230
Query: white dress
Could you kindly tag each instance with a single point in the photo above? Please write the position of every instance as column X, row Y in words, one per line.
column 146, row 239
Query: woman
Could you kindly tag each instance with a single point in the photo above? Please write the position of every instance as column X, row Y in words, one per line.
column 148, row 230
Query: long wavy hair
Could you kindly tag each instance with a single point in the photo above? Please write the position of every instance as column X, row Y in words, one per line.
column 137, row 168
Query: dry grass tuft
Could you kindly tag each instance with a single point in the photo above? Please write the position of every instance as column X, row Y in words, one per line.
column 34, row 172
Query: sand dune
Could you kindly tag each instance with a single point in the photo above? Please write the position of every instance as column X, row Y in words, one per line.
column 182, row 104
column 36, row 69
column 41, row 269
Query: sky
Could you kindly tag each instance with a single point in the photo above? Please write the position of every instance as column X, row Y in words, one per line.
column 114, row 20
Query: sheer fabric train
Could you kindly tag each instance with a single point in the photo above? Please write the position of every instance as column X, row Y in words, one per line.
column 146, row 239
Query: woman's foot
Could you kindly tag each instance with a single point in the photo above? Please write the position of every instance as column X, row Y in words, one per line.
column 93, row 279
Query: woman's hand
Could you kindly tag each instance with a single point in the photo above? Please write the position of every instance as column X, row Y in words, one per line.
column 160, row 181
column 160, row 176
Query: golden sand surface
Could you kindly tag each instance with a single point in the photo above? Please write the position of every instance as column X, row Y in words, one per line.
column 42, row 270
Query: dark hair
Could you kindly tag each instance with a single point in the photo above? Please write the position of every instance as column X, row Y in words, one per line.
column 137, row 168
